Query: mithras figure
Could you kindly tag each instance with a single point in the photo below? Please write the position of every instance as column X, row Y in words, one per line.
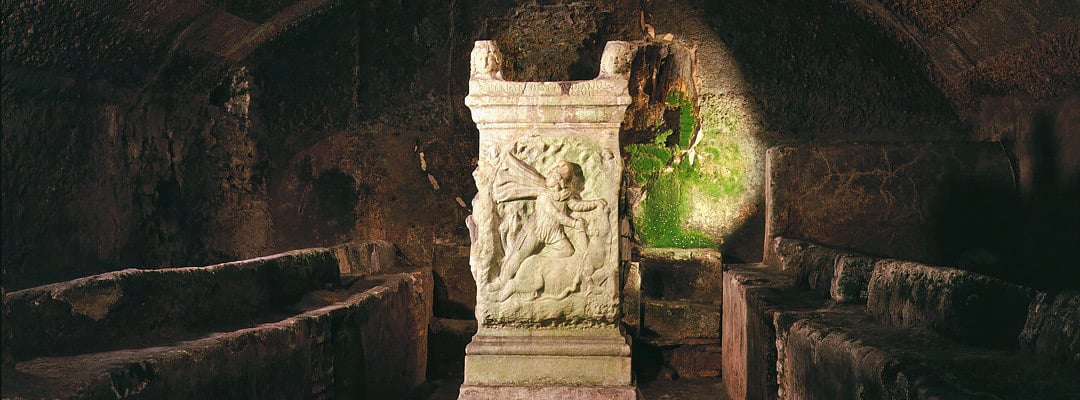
column 545, row 253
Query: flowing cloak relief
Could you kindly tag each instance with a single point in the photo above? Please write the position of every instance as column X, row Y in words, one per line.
column 554, row 243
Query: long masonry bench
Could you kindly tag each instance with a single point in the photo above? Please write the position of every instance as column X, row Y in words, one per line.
column 820, row 323
column 315, row 323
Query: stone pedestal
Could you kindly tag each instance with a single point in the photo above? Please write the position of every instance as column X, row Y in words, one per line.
column 545, row 237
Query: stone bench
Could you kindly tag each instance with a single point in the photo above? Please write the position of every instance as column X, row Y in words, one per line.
column 284, row 326
column 923, row 332
column 842, row 352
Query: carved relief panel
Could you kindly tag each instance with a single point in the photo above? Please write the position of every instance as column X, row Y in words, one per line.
column 544, row 223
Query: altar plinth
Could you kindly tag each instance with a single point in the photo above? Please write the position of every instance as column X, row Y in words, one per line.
column 544, row 229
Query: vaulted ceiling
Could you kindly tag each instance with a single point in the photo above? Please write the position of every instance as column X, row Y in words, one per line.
column 970, row 48
column 975, row 48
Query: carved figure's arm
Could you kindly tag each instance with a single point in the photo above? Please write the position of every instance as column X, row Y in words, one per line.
column 585, row 205
column 550, row 210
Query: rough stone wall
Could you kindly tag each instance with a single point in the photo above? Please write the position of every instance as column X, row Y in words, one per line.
column 1041, row 137
column 146, row 141
column 99, row 121
column 145, row 134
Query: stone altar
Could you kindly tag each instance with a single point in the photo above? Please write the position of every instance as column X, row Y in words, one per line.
column 545, row 237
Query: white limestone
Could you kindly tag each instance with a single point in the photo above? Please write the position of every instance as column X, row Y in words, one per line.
column 544, row 228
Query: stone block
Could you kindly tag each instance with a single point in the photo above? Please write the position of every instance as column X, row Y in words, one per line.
column 842, row 353
column 631, row 296
column 363, row 341
column 447, row 339
column 753, row 295
column 545, row 231
column 100, row 312
column 1053, row 326
column 838, row 274
column 369, row 257
column 547, row 392
column 695, row 361
column 811, row 264
column 679, row 322
column 556, row 358
column 881, row 199
column 814, row 362
column 851, row 278
column 455, row 289
column 682, row 274
column 969, row 307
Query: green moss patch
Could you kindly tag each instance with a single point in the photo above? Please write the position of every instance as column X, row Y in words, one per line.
column 660, row 222
column 686, row 176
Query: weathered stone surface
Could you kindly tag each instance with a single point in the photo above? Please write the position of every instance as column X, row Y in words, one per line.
column 882, row 199
column 838, row 274
column 753, row 295
column 548, row 392
column 7, row 360
column 695, row 361
column 631, row 297
column 841, row 353
column 685, row 389
column 455, row 288
column 101, row 312
column 152, row 166
column 1053, row 326
column 530, row 357
column 817, row 363
column 682, row 274
column 966, row 306
column 1047, row 162
column 364, row 341
column 369, row 257
column 446, row 343
column 545, row 230
column 679, row 322
column 811, row 264
column 544, row 224
column 851, row 278
column 757, row 82
column 969, row 55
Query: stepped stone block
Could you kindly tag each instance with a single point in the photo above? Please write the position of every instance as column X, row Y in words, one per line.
column 809, row 263
column 753, row 296
column 588, row 358
column 842, row 353
column 682, row 274
column 841, row 275
column 851, row 278
column 695, row 361
column 1053, row 326
column 98, row 312
column 447, row 339
column 967, row 306
column 361, row 341
column 819, row 363
column 679, row 322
